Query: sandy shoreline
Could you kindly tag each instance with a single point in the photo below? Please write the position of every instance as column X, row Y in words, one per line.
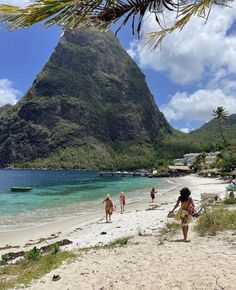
column 135, row 219
column 149, row 261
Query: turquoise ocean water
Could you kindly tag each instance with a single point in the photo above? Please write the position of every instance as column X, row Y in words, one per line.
column 58, row 194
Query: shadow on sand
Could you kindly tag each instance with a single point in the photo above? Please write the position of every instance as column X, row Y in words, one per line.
column 179, row 241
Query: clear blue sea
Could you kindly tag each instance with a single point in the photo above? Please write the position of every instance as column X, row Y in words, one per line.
column 58, row 194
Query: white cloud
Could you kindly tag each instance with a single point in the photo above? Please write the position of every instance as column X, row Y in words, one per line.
column 185, row 130
column 16, row 2
column 200, row 48
column 203, row 55
column 197, row 106
column 8, row 95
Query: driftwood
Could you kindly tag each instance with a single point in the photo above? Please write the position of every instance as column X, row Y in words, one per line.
column 43, row 249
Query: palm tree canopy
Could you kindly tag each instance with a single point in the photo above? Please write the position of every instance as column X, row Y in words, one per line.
column 220, row 113
column 102, row 14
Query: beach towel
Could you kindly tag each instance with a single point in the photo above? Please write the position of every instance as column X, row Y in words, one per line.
column 178, row 214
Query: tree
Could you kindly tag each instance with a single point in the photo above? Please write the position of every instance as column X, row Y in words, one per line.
column 221, row 114
column 199, row 162
column 102, row 14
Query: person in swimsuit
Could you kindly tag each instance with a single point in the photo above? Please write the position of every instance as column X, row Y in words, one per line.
column 108, row 207
column 152, row 193
column 122, row 202
column 187, row 209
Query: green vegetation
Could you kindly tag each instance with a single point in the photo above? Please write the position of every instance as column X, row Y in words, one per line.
column 33, row 254
column 103, row 14
column 220, row 114
column 55, row 248
column 5, row 259
column 36, row 265
column 230, row 199
column 216, row 219
column 24, row 271
column 94, row 111
column 209, row 136
column 121, row 242
column 90, row 108
column 227, row 159
column 199, row 163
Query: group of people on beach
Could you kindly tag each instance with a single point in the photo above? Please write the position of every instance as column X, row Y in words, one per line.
column 110, row 207
column 184, row 214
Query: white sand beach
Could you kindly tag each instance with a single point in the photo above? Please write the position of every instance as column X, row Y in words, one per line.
column 136, row 218
column 148, row 261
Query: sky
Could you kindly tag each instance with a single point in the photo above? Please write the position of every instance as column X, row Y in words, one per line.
column 190, row 74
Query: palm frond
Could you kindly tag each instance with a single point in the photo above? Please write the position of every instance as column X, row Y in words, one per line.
column 185, row 13
column 220, row 113
column 71, row 13
column 104, row 13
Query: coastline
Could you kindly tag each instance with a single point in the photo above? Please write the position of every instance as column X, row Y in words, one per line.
column 87, row 232
column 149, row 260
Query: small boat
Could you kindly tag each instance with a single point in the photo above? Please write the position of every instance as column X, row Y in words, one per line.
column 231, row 187
column 16, row 189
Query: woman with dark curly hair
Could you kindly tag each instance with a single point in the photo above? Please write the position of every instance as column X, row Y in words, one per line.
column 186, row 210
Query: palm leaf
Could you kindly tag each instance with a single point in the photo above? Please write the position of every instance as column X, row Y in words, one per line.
column 103, row 13
column 185, row 13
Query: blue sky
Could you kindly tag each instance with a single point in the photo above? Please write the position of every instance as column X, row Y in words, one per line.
column 190, row 75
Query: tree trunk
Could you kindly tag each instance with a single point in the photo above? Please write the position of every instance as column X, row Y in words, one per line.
column 221, row 132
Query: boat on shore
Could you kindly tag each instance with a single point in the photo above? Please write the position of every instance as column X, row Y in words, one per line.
column 21, row 188
column 231, row 187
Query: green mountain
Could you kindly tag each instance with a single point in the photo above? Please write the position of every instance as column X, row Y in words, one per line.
column 210, row 131
column 207, row 138
column 89, row 107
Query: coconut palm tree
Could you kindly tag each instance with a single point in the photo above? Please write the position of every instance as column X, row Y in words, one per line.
column 221, row 114
column 104, row 13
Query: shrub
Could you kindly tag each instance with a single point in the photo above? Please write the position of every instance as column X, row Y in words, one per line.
column 230, row 200
column 33, row 254
column 5, row 259
column 231, row 194
column 55, row 248
column 214, row 220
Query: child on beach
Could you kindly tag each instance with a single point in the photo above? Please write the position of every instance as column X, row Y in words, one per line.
column 122, row 202
column 108, row 207
column 152, row 193
column 186, row 210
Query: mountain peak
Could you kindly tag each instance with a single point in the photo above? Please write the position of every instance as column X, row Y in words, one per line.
column 90, row 89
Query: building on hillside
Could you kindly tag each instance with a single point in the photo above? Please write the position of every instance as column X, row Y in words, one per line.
column 180, row 162
column 190, row 157
column 179, row 169
column 211, row 157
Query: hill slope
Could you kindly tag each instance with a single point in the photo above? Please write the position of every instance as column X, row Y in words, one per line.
column 89, row 107
column 207, row 138
column 210, row 131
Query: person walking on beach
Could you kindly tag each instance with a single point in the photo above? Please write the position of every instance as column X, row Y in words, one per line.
column 108, row 207
column 186, row 210
column 122, row 202
column 152, row 193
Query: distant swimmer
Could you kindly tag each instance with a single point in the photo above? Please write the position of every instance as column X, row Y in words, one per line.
column 122, row 202
column 152, row 193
